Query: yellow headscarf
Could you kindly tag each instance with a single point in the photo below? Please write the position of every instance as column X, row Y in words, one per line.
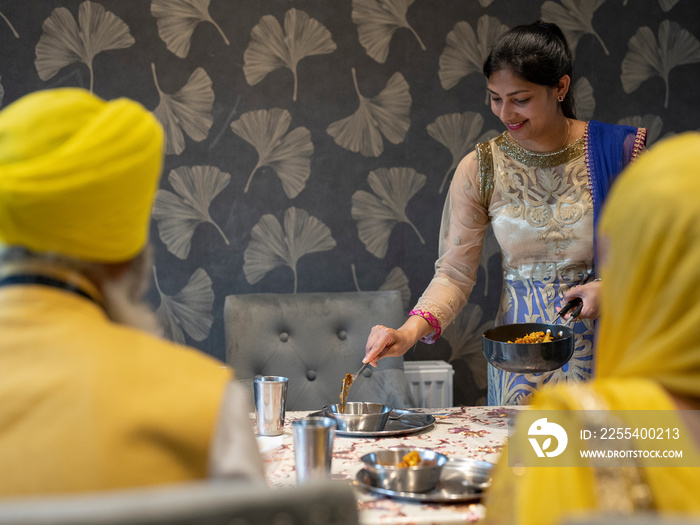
column 78, row 174
column 648, row 343
column 650, row 312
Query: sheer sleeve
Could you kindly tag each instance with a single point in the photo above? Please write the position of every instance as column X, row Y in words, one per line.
column 464, row 223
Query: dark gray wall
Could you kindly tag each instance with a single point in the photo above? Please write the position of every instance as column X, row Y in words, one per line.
column 208, row 234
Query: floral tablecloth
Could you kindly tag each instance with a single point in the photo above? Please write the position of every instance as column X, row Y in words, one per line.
column 465, row 432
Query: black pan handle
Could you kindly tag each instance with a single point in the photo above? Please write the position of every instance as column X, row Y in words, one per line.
column 576, row 303
column 577, row 311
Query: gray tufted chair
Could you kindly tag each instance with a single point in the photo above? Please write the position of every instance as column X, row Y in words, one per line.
column 634, row 518
column 315, row 339
column 193, row 503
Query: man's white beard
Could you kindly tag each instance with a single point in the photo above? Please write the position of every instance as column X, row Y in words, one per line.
column 128, row 311
column 123, row 297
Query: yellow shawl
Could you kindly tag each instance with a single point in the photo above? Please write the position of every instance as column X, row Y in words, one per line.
column 648, row 343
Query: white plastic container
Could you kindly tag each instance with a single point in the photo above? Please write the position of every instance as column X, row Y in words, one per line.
column 430, row 383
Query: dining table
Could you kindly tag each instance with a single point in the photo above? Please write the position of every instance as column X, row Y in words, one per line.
column 464, row 432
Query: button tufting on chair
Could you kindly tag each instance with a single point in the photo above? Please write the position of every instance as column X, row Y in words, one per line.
column 330, row 331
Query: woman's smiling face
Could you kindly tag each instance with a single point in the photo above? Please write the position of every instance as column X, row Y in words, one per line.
column 530, row 111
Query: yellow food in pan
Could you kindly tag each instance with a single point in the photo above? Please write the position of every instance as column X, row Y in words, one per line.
column 534, row 337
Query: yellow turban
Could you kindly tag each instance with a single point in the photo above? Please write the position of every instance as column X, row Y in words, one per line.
column 78, row 174
column 650, row 312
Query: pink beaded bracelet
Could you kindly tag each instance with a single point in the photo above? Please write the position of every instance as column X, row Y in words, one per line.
column 429, row 339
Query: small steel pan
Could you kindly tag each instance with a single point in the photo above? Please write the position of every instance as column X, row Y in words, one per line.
column 527, row 358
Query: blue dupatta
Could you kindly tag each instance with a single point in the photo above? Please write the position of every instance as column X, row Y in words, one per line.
column 609, row 148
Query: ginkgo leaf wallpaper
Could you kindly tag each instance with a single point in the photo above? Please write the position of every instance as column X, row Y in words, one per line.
column 310, row 143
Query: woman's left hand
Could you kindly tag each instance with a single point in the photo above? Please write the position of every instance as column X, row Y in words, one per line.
column 590, row 294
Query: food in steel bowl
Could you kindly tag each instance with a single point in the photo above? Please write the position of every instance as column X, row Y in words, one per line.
column 410, row 460
column 359, row 417
column 384, row 470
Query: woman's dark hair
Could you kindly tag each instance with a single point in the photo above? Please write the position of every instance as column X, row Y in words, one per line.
column 537, row 53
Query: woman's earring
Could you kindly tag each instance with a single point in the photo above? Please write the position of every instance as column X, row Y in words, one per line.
column 560, row 99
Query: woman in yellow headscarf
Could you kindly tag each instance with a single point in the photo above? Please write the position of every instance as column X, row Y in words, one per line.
column 648, row 353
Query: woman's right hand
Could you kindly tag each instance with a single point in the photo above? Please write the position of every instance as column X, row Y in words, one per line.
column 590, row 294
column 388, row 342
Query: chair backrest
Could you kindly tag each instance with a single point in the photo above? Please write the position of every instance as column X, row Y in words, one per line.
column 195, row 503
column 637, row 518
column 315, row 339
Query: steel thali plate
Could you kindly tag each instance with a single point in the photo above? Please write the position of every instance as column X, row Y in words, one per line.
column 408, row 422
column 460, row 481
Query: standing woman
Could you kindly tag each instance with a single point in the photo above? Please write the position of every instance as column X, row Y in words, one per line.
column 541, row 185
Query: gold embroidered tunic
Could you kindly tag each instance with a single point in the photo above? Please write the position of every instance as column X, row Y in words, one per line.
column 541, row 211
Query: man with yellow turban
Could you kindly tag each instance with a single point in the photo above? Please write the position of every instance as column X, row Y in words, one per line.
column 647, row 367
column 92, row 398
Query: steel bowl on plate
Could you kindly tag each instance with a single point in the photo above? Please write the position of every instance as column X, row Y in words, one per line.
column 384, row 472
column 467, row 472
column 359, row 417
column 527, row 358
